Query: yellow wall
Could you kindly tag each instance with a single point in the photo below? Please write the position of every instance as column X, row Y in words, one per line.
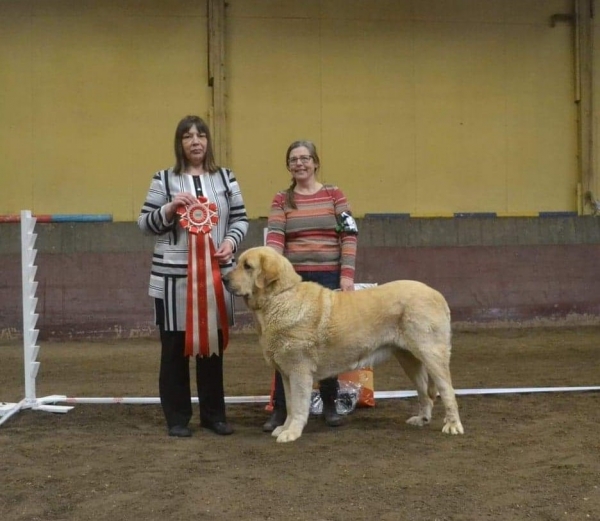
column 426, row 107
column 92, row 93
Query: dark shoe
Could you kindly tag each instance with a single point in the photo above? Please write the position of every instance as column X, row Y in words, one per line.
column 179, row 431
column 277, row 419
column 220, row 428
column 332, row 418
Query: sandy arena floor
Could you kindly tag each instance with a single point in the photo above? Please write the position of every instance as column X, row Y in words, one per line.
column 523, row 457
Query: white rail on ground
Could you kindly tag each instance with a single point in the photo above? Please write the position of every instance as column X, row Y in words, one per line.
column 379, row 395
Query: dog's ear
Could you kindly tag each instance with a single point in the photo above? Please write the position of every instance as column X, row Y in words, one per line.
column 269, row 271
column 288, row 278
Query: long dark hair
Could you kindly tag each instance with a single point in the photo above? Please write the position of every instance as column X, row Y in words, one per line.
column 184, row 126
column 290, row 200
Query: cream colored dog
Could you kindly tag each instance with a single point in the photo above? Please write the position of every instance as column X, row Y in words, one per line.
column 308, row 332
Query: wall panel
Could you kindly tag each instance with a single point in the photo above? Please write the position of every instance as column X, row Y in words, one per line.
column 274, row 85
column 96, row 89
column 426, row 107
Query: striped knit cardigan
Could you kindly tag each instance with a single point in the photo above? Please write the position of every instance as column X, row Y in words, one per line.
column 168, row 277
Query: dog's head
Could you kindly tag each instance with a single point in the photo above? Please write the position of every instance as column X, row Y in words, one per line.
column 261, row 272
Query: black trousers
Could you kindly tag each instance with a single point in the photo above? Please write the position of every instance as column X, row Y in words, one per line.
column 328, row 387
column 174, row 379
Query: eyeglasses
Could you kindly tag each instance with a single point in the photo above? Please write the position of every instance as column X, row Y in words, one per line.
column 303, row 159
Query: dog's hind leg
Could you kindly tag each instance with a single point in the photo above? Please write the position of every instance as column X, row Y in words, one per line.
column 298, row 388
column 425, row 387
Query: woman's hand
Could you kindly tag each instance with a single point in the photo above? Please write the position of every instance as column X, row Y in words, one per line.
column 180, row 199
column 224, row 254
column 346, row 284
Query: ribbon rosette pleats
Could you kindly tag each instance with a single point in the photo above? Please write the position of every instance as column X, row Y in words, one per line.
column 206, row 310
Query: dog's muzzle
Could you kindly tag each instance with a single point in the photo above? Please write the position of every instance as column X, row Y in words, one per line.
column 227, row 283
column 229, row 287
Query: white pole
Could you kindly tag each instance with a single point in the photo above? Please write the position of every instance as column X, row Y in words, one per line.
column 30, row 333
column 508, row 390
column 132, row 400
column 29, row 285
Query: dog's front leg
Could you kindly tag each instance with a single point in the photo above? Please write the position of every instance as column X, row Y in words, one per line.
column 298, row 388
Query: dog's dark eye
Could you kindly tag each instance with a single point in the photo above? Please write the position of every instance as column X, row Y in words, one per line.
column 247, row 266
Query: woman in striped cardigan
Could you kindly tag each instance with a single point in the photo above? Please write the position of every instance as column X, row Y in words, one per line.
column 195, row 174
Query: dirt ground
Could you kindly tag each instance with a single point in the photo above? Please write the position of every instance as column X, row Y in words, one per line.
column 523, row 456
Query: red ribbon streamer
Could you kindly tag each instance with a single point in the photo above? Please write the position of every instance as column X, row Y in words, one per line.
column 204, row 285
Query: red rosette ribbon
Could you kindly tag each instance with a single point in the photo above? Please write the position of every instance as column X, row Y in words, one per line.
column 206, row 311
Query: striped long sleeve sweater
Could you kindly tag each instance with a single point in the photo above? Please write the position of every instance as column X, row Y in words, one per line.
column 307, row 235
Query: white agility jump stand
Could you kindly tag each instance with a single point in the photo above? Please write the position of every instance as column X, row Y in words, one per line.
column 30, row 352
column 30, row 333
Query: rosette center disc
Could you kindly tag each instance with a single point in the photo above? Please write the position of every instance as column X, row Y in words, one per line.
column 198, row 214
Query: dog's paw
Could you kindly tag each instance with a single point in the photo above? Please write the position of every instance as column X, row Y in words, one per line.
column 277, row 431
column 453, row 427
column 288, row 435
column 418, row 421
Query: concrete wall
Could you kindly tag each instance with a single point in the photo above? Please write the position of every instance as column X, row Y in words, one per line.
column 93, row 276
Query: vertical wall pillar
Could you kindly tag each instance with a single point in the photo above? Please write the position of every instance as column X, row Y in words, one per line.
column 584, row 45
column 216, row 78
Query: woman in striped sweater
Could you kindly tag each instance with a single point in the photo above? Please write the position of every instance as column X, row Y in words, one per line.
column 304, row 225
column 194, row 175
